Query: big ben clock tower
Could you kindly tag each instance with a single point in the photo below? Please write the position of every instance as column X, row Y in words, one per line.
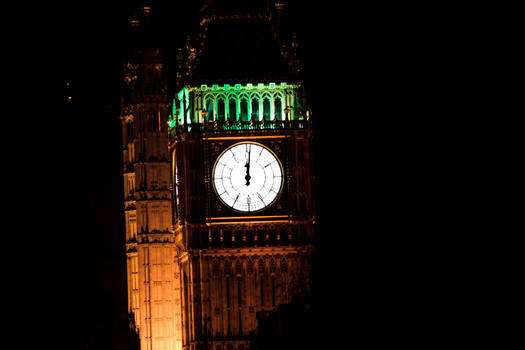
column 218, row 179
column 240, row 139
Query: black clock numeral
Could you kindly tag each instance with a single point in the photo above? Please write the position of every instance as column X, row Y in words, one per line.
column 262, row 149
column 258, row 194
column 233, row 154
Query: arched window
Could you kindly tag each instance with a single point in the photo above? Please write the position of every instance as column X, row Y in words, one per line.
column 244, row 109
column 250, row 267
column 232, row 110
column 273, row 266
column 221, row 110
column 151, row 121
column 266, row 109
column 260, row 266
column 210, row 109
column 238, row 267
column 227, row 267
column 278, row 109
column 255, row 109
column 284, row 266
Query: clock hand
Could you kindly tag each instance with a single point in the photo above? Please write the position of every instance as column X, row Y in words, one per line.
column 248, row 177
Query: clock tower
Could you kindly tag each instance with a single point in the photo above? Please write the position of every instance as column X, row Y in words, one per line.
column 218, row 179
column 240, row 140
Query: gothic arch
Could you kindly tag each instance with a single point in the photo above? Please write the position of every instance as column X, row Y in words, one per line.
column 238, row 267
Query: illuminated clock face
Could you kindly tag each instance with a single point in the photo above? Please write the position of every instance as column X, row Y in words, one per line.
column 247, row 177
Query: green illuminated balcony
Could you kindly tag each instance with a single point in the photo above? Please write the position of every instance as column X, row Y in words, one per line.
column 238, row 107
column 239, row 125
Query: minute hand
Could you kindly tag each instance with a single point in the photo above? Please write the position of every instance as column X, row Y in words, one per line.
column 248, row 177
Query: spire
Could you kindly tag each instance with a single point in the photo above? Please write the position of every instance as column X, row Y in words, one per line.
column 240, row 43
column 143, row 72
column 141, row 23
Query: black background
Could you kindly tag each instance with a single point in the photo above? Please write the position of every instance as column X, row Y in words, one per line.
column 366, row 71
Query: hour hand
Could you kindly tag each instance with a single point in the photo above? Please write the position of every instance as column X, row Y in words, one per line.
column 247, row 177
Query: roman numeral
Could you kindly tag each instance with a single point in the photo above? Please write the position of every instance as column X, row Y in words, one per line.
column 233, row 154
column 262, row 149
column 258, row 194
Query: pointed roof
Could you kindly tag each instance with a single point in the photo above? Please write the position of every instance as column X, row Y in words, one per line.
column 239, row 45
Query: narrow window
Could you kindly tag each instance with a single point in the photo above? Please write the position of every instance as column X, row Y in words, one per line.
column 249, row 238
column 255, row 109
column 284, row 237
column 150, row 117
column 261, row 238
column 221, row 110
column 215, row 239
column 278, row 109
column 209, row 109
column 239, row 239
column 232, row 106
column 227, row 239
column 266, row 109
column 244, row 109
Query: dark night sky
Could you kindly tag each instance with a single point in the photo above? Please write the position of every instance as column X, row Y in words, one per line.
column 360, row 71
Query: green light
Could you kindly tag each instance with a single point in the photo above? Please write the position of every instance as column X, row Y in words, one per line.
column 204, row 87
column 272, row 85
column 215, row 87
column 260, row 86
column 226, row 87
column 237, row 86
column 249, row 86
column 187, row 106
column 283, row 85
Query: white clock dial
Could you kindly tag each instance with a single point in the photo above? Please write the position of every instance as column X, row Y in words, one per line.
column 247, row 177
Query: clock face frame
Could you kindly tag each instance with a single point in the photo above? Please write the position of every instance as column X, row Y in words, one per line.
column 248, row 177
